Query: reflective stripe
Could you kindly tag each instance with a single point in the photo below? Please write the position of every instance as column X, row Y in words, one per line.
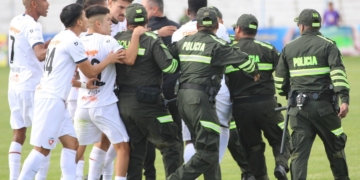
column 248, row 62
column 281, row 125
column 210, row 125
column 139, row 19
column 309, row 72
column 207, row 22
column 163, row 46
column 315, row 24
column 218, row 40
column 195, row 58
column 252, row 26
column 333, row 72
column 278, row 86
column 141, row 51
column 280, row 91
column 337, row 84
column 337, row 132
column 263, row 44
column 339, row 78
column 265, row 66
column 251, row 68
column 278, row 79
column 138, row 11
column 230, row 69
column 165, row 119
column 232, row 125
column 325, row 39
column 172, row 68
column 151, row 35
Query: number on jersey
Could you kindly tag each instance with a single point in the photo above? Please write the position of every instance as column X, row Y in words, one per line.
column 12, row 38
column 49, row 60
column 97, row 83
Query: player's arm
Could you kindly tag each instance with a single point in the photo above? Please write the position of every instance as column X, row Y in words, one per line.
column 35, row 39
column 282, row 76
column 163, row 57
column 166, row 31
column 132, row 51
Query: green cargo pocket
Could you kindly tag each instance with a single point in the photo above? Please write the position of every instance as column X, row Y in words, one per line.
column 325, row 110
column 168, row 129
column 193, row 101
column 340, row 142
column 208, row 136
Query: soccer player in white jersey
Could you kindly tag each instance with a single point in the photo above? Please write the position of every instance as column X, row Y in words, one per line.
column 223, row 103
column 26, row 51
column 50, row 120
column 117, row 12
column 97, row 111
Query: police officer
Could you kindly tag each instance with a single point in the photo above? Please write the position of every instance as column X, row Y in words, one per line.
column 312, row 70
column 141, row 104
column 254, row 102
column 203, row 58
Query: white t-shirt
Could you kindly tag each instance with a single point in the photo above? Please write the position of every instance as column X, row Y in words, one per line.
column 64, row 52
column 190, row 29
column 119, row 27
column 25, row 68
column 97, row 47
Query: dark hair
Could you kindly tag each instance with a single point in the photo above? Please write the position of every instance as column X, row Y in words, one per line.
column 158, row 3
column 70, row 14
column 96, row 10
column 195, row 5
column 81, row 2
column 249, row 31
column 129, row 1
column 88, row 3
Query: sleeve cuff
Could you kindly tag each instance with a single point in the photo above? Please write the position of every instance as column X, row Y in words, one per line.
column 345, row 100
column 78, row 62
column 37, row 44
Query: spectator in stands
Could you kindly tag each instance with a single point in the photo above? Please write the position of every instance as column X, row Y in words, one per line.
column 331, row 16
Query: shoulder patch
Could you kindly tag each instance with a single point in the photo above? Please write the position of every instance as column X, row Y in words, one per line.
column 221, row 41
column 326, row 39
column 151, row 34
column 267, row 45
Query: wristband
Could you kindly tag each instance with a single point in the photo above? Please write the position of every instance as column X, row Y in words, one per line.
column 83, row 85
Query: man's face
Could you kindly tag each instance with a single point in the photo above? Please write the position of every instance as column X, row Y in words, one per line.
column 237, row 32
column 117, row 9
column 149, row 8
column 83, row 22
column 105, row 25
column 41, row 7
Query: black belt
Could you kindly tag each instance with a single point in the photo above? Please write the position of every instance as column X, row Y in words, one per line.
column 252, row 99
column 193, row 86
column 318, row 97
column 129, row 89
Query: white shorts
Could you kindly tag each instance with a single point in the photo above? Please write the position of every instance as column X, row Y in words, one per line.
column 51, row 121
column 90, row 123
column 185, row 132
column 71, row 106
column 223, row 109
column 22, row 108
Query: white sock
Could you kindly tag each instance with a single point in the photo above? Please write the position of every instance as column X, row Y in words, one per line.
column 96, row 162
column 120, row 178
column 189, row 152
column 44, row 169
column 109, row 163
column 224, row 140
column 80, row 170
column 68, row 164
column 31, row 165
column 14, row 160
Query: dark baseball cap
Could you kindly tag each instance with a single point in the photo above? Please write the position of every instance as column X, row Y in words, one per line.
column 309, row 17
column 136, row 14
column 206, row 17
column 247, row 20
column 219, row 14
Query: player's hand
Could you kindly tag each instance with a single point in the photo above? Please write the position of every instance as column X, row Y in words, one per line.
column 167, row 31
column 115, row 57
column 90, row 83
column 257, row 77
column 344, row 109
column 138, row 31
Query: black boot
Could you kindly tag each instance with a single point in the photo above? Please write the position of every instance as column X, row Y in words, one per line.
column 280, row 172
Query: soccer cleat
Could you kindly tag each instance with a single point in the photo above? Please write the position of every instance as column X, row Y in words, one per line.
column 280, row 172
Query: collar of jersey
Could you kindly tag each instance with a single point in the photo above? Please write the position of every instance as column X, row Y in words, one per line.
column 311, row 32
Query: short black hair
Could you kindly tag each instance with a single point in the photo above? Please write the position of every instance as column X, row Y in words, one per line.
column 96, row 10
column 195, row 5
column 88, row 3
column 249, row 31
column 70, row 14
column 158, row 3
column 81, row 2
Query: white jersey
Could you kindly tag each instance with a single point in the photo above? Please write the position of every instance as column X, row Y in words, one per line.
column 25, row 68
column 118, row 27
column 64, row 52
column 97, row 47
column 190, row 29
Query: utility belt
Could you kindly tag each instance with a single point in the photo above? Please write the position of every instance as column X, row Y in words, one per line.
column 210, row 90
column 300, row 99
column 252, row 99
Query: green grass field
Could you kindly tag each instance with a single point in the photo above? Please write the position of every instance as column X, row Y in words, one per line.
column 318, row 167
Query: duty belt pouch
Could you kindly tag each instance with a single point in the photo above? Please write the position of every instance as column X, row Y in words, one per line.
column 148, row 95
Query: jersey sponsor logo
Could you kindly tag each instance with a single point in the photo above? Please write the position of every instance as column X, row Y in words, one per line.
column 54, row 42
column 14, row 30
column 254, row 58
column 124, row 43
column 89, row 98
column 51, row 141
column 188, row 33
column 91, row 52
column 305, row 61
column 193, row 46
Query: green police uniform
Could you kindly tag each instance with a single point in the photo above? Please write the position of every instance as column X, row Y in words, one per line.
column 140, row 102
column 254, row 104
column 311, row 68
column 203, row 58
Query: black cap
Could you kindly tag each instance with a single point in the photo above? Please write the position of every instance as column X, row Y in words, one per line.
column 136, row 14
column 247, row 20
column 309, row 17
column 219, row 14
column 206, row 17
